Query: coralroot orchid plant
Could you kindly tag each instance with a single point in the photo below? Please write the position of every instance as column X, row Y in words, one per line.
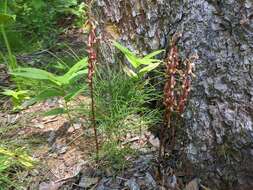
column 176, row 89
column 92, row 57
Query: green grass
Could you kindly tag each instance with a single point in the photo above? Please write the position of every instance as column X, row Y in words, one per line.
column 122, row 108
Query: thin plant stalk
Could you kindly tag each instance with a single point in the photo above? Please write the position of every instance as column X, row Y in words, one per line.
column 68, row 113
column 93, row 116
column 91, row 70
column 12, row 63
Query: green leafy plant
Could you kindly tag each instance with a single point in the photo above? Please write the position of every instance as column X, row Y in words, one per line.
column 65, row 86
column 44, row 29
column 141, row 65
column 11, row 160
column 17, row 96
column 6, row 18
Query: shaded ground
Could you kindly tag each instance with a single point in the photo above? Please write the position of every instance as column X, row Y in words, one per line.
column 66, row 159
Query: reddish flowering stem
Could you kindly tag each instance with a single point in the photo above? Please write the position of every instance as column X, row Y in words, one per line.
column 176, row 89
column 91, row 70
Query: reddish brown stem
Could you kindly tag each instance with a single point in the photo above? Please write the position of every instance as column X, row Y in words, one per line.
column 93, row 116
column 91, row 70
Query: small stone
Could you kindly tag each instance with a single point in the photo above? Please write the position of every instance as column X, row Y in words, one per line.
column 71, row 130
column 77, row 126
column 172, row 181
column 150, row 180
column 132, row 184
column 154, row 141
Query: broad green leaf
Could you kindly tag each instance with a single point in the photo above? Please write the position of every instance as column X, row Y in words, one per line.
column 131, row 57
column 56, row 111
column 77, row 67
column 122, row 48
column 6, row 18
column 130, row 72
column 34, row 73
column 73, row 94
column 48, row 93
column 149, row 68
column 133, row 60
column 153, row 54
column 60, row 66
column 72, row 73
column 77, row 75
column 137, row 61
column 147, row 61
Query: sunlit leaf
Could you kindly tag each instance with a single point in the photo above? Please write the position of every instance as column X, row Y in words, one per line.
column 133, row 60
column 34, row 73
column 73, row 71
column 122, row 48
column 131, row 57
column 149, row 68
column 77, row 67
column 153, row 54
column 130, row 72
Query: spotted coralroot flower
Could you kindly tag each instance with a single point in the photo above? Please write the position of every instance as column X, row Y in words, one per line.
column 178, row 80
column 172, row 63
column 169, row 89
column 186, row 83
column 91, row 52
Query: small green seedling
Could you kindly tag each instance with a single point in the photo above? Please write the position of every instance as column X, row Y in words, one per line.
column 141, row 65
column 17, row 97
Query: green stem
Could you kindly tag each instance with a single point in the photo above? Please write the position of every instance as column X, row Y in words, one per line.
column 68, row 112
column 12, row 63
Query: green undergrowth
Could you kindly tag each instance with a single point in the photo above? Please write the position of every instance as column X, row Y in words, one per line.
column 33, row 29
column 13, row 160
column 121, row 109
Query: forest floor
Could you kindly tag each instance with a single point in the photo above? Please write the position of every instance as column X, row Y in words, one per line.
column 65, row 154
column 59, row 149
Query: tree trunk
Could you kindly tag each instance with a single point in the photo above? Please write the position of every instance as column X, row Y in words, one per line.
column 219, row 116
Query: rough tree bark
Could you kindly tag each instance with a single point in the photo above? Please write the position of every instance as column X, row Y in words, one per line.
column 219, row 117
